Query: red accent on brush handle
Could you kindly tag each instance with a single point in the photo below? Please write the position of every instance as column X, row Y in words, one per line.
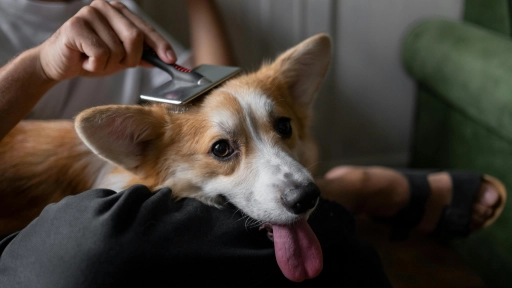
column 181, row 68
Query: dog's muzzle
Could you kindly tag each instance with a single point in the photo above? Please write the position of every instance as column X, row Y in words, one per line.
column 301, row 199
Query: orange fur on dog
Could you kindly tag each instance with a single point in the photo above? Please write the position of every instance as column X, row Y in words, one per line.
column 119, row 145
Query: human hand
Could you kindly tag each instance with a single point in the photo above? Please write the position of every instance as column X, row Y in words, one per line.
column 101, row 39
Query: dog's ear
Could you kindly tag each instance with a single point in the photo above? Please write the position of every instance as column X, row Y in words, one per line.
column 121, row 134
column 304, row 66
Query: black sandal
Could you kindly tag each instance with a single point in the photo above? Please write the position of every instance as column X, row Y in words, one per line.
column 455, row 221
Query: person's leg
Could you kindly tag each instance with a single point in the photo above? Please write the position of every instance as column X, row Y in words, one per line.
column 383, row 192
column 136, row 238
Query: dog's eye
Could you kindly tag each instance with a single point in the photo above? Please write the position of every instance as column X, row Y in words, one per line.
column 222, row 149
column 283, row 127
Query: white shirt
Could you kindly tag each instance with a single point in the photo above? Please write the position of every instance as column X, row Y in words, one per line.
column 25, row 24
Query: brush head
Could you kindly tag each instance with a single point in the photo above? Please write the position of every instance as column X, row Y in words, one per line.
column 179, row 92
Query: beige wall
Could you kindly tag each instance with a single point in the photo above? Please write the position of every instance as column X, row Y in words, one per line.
column 365, row 111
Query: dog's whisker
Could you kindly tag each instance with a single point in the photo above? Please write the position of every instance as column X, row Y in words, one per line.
column 243, row 217
column 257, row 223
column 249, row 223
column 318, row 162
column 234, row 213
column 248, row 219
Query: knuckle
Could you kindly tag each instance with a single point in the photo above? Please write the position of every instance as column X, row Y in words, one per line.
column 150, row 29
column 103, row 55
column 115, row 47
column 118, row 53
column 118, row 5
column 74, row 24
column 134, row 36
column 99, row 50
column 87, row 11
column 98, row 3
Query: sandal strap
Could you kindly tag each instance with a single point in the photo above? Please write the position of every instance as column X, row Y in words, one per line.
column 410, row 216
column 456, row 218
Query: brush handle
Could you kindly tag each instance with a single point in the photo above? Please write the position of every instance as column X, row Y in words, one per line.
column 177, row 72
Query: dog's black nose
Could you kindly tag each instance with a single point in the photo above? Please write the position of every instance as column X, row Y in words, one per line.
column 301, row 199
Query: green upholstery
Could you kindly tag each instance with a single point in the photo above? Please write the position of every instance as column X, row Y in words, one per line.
column 491, row 14
column 464, row 120
column 468, row 66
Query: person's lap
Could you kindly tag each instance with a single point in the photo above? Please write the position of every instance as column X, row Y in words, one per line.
column 100, row 238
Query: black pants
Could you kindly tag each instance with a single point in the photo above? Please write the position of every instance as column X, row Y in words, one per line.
column 104, row 239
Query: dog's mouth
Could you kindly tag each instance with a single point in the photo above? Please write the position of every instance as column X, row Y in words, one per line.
column 298, row 252
column 270, row 231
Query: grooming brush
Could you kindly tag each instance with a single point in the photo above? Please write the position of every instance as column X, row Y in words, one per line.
column 185, row 84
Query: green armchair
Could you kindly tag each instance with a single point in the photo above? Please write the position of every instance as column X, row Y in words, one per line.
column 463, row 72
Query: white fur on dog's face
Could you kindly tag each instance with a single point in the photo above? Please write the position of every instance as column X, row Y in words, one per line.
column 266, row 164
column 175, row 150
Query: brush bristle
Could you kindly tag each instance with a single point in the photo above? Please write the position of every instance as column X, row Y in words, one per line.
column 177, row 109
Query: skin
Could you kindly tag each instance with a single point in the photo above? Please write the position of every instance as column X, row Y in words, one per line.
column 208, row 38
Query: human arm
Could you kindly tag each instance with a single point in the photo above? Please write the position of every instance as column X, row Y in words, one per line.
column 22, row 83
column 101, row 39
column 207, row 34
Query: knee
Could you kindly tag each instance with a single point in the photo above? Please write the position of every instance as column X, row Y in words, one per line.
column 354, row 177
column 369, row 179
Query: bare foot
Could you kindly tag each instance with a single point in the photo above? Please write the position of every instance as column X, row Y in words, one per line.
column 487, row 200
column 382, row 192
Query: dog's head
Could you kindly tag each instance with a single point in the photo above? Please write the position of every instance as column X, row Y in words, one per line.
column 248, row 141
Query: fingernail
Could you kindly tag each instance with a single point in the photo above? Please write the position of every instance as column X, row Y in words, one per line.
column 170, row 55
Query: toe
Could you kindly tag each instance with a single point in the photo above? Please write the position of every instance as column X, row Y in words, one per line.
column 488, row 195
column 482, row 211
column 483, row 208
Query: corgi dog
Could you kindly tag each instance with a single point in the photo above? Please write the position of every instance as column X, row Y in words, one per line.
column 247, row 142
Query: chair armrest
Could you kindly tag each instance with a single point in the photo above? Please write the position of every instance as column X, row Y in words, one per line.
column 468, row 67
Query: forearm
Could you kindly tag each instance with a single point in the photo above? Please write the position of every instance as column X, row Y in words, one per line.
column 103, row 38
column 22, row 84
column 208, row 36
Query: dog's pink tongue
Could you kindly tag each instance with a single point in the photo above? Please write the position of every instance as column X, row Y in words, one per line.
column 298, row 251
